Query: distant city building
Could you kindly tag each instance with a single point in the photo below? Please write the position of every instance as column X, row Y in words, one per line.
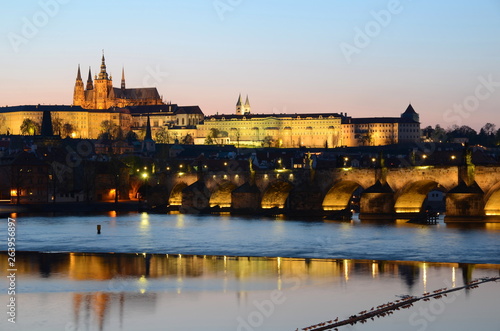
column 275, row 130
column 309, row 130
column 169, row 122
column 376, row 131
column 83, row 123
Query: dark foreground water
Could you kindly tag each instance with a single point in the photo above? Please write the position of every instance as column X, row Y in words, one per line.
column 228, row 235
column 166, row 277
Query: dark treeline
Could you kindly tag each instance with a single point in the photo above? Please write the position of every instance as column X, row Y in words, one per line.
column 488, row 135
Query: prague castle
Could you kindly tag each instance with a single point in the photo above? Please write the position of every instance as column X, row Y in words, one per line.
column 100, row 93
column 310, row 129
column 98, row 103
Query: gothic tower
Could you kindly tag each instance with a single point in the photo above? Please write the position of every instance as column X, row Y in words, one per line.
column 102, row 85
column 123, row 79
column 79, row 93
column 410, row 114
column 239, row 106
column 90, row 84
column 148, row 144
column 47, row 129
column 246, row 107
column 100, row 93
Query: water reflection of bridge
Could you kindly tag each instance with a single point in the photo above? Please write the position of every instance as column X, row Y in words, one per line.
column 126, row 278
column 140, row 267
column 472, row 192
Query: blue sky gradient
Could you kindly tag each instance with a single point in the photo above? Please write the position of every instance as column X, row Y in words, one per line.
column 286, row 55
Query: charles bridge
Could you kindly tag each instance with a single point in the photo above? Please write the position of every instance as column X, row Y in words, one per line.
column 472, row 192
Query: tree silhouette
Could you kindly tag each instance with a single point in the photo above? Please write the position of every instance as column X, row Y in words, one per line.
column 57, row 125
column 30, row 127
column 67, row 130
column 162, row 136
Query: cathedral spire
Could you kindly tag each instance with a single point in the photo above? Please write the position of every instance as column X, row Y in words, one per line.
column 78, row 75
column 123, row 78
column 79, row 93
column 103, row 74
column 90, row 85
column 47, row 129
column 148, row 135
column 246, row 107
column 148, row 144
column 238, row 105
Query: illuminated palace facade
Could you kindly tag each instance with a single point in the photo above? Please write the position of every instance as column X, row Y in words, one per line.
column 86, row 123
column 129, row 108
column 99, row 101
column 309, row 130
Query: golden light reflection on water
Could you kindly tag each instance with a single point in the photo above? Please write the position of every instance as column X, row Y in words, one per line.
column 84, row 266
column 346, row 270
column 144, row 225
column 279, row 226
column 424, row 276
column 180, row 221
column 142, row 284
column 374, row 270
column 493, row 226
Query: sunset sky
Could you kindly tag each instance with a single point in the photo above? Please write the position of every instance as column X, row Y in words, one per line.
column 366, row 58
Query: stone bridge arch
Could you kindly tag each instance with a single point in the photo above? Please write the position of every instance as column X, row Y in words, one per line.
column 492, row 201
column 276, row 194
column 411, row 198
column 175, row 197
column 399, row 178
column 221, row 194
column 340, row 194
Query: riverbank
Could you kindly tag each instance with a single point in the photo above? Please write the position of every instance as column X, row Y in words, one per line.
column 7, row 209
column 70, row 207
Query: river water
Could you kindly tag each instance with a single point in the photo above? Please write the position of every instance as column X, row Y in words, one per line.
column 247, row 236
column 185, row 272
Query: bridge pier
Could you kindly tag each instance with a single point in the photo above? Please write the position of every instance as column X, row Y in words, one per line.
column 245, row 199
column 464, row 203
column 195, row 198
column 305, row 199
column 377, row 203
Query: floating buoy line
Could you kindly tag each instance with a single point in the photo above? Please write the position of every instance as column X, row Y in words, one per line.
column 387, row 309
